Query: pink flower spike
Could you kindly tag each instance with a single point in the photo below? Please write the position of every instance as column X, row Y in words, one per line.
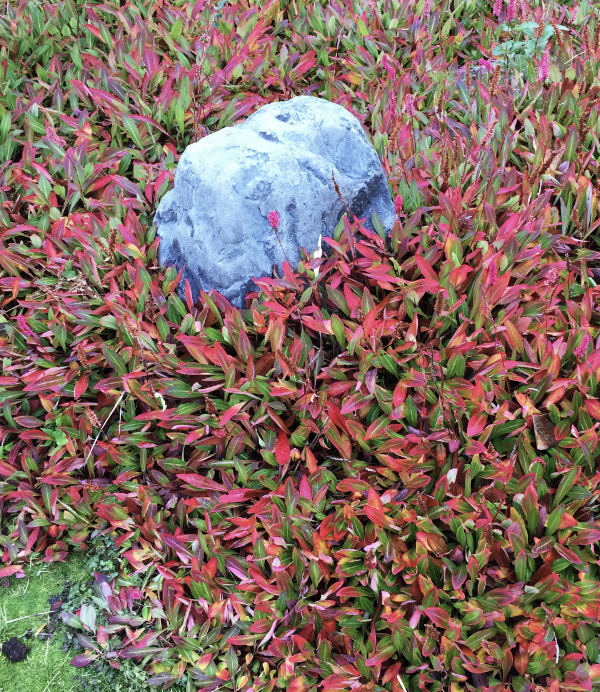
column 581, row 350
column 497, row 8
column 398, row 204
column 544, row 72
column 274, row 220
column 387, row 67
column 409, row 105
column 23, row 326
column 53, row 137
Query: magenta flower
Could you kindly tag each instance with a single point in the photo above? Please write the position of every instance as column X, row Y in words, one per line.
column 387, row 67
column 510, row 12
column 487, row 65
column 544, row 72
column 581, row 351
column 274, row 220
column 53, row 137
column 427, row 8
column 409, row 105
column 23, row 326
column 398, row 204
column 497, row 8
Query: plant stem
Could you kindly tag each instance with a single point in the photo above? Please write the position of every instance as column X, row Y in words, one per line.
column 26, row 617
column 103, row 424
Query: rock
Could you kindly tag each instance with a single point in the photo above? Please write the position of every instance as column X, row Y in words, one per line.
column 215, row 221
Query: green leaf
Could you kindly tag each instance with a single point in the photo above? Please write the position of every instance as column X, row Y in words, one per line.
column 553, row 520
column 176, row 28
column 338, row 329
column 571, row 144
column 410, row 411
column 180, row 114
column 131, row 127
column 378, row 225
column 565, row 485
column 474, row 641
column 5, row 125
column 45, row 187
column 76, row 56
column 456, row 366
column 115, row 360
column 388, row 363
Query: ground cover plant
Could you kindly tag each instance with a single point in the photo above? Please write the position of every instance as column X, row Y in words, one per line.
column 379, row 475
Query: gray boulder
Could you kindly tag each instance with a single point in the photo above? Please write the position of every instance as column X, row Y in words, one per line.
column 215, row 221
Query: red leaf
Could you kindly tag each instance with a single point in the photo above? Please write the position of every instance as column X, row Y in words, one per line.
column 521, row 661
column 242, row 640
column 10, row 569
column 298, row 684
column 585, row 537
column 231, row 412
column 374, row 509
column 311, row 461
column 188, row 296
column 282, row 449
column 195, row 346
column 305, row 489
column 306, row 63
column 438, row 616
column 543, row 545
column 80, row 386
column 355, row 402
column 351, row 298
column 432, row 542
column 592, row 406
column 28, row 422
column 476, row 424
column 426, row 269
column 177, row 546
column 399, row 394
column 94, row 30
column 82, row 660
column 498, row 288
column 201, row 482
column 568, row 554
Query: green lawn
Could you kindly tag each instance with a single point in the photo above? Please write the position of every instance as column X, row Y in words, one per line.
column 47, row 668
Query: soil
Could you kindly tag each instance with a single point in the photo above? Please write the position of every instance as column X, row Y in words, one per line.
column 55, row 603
column 15, row 650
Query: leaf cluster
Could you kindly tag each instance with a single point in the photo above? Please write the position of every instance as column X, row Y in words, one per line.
column 381, row 474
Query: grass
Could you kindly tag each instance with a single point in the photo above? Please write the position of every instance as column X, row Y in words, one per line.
column 47, row 668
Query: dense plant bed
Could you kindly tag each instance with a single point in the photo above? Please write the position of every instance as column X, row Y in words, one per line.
column 379, row 475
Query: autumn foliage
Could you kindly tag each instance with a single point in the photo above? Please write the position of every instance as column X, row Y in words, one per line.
column 382, row 473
